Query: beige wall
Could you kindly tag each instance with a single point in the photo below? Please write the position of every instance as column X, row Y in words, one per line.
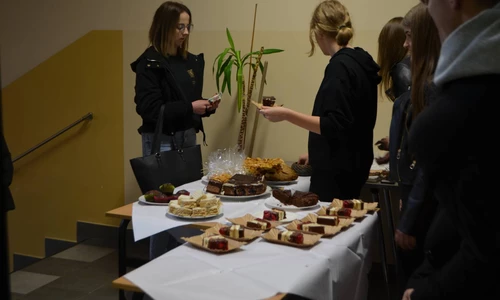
column 293, row 78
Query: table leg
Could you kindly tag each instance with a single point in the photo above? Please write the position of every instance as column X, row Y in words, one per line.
column 390, row 221
column 383, row 254
column 122, row 253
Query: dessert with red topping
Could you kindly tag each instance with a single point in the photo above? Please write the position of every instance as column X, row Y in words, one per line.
column 338, row 211
column 215, row 242
column 353, row 204
column 274, row 215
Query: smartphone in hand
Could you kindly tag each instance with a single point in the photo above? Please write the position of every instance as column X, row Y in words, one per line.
column 215, row 98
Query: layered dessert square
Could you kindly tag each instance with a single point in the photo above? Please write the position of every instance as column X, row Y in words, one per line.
column 338, row 211
column 215, row 242
column 234, row 231
column 274, row 215
column 291, row 237
column 353, row 204
column 311, row 227
column 259, row 224
column 327, row 220
column 244, row 185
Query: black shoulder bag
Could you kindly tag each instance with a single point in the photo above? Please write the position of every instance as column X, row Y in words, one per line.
column 177, row 166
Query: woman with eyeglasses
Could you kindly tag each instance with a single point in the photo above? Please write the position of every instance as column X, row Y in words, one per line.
column 166, row 73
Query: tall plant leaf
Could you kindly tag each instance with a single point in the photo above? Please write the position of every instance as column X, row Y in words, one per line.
column 230, row 39
column 220, row 71
column 227, row 76
column 239, row 77
column 266, row 51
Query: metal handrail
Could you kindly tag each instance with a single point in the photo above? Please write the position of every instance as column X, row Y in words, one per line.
column 88, row 116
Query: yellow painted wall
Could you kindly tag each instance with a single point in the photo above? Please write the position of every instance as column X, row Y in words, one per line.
column 78, row 176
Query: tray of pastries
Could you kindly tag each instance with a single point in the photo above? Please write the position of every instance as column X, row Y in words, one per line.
column 327, row 226
column 253, row 222
column 292, row 238
column 236, row 232
column 197, row 205
column 214, row 243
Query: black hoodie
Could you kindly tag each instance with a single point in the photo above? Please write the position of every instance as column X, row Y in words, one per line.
column 347, row 106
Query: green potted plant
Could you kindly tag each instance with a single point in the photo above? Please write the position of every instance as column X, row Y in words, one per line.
column 225, row 62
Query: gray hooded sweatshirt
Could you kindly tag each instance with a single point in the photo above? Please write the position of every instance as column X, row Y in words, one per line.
column 473, row 49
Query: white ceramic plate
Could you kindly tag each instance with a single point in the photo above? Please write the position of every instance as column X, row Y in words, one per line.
column 197, row 218
column 273, row 183
column 143, row 200
column 267, row 192
column 290, row 216
column 275, row 203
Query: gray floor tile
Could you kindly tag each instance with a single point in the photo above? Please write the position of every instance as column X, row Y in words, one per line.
column 22, row 282
column 86, row 253
column 14, row 296
column 48, row 293
column 85, row 280
column 105, row 292
column 56, row 266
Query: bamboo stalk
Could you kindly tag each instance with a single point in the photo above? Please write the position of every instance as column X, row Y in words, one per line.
column 251, row 44
column 259, row 100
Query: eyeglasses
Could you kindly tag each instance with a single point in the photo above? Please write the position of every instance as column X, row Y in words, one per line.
column 181, row 27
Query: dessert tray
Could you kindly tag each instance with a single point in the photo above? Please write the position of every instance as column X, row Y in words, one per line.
column 290, row 216
column 273, row 183
column 297, row 239
column 196, row 205
column 318, row 225
column 220, row 214
column 213, row 243
column 227, row 197
column 142, row 199
column 235, row 232
column 243, row 221
column 275, row 203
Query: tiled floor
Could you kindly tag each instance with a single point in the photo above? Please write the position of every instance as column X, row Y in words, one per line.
column 85, row 272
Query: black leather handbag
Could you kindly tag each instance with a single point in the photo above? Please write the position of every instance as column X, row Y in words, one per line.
column 177, row 166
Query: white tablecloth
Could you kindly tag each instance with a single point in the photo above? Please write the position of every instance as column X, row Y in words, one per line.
column 148, row 220
column 336, row 268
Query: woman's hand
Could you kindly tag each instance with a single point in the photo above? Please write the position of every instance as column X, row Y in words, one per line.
column 383, row 144
column 274, row 114
column 200, row 107
column 383, row 159
column 304, row 159
column 215, row 105
column 407, row 294
column 404, row 241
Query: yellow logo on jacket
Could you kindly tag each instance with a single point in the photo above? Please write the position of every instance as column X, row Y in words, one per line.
column 191, row 74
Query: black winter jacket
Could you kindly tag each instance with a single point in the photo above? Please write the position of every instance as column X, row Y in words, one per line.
column 158, row 82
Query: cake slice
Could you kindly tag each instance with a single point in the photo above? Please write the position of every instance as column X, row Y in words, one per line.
column 259, row 224
column 186, row 201
column 338, row 211
column 213, row 210
column 173, row 208
column 215, row 242
column 199, row 212
column 209, row 202
column 184, row 212
column 291, row 237
column 312, row 227
column 214, row 186
column 327, row 220
column 234, row 231
column 353, row 204
column 274, row 215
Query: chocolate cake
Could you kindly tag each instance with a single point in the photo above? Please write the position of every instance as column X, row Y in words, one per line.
column 259, row 224
column 214, row 186
column 327, row 220
column 299, row 199
column 244, row 185
column 338, row 211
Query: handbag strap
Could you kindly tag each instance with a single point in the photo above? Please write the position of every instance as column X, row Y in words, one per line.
column 155, row 148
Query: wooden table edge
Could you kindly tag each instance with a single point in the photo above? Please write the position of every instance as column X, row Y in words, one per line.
column 123, row 283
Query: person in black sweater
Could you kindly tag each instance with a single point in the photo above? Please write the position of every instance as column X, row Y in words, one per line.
column 467, row 77
column 344, row 112
column 166, row 73
column 394, row 61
